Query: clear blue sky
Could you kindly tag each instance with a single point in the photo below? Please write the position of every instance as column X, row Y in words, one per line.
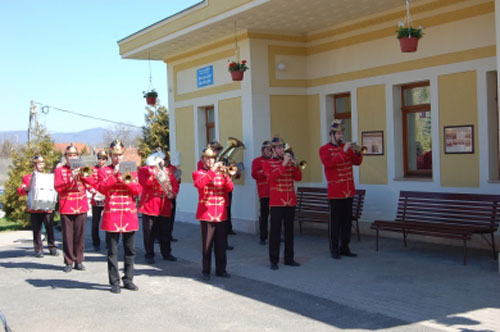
column 64, row 53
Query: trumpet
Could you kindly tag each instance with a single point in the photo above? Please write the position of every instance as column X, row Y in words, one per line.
column 127, row 167
column 127, row 178
column 358, row 149
column 301, row 164
column 86, row 171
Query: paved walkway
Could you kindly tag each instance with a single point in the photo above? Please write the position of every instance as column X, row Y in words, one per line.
column 422, row 288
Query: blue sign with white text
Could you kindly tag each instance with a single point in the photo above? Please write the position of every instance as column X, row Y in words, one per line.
column 205, row 76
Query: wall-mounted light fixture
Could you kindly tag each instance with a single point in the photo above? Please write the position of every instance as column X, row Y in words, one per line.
column 281, row 66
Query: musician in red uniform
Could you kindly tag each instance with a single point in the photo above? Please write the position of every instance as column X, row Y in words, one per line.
column 177, row 174
column 213, row 185
column 217, row 148
column 338, row 158
column 262, row 188
column 281, row 171
column 159, row 186
column 97, row 200
column 39, row 217
column 119, row 216
column 73, row 207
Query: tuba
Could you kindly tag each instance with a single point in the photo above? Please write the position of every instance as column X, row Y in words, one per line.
column 226, row 156
column 160, row 174
column 301, row 164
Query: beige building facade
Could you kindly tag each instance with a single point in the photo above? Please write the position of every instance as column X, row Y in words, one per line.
column 311, row 61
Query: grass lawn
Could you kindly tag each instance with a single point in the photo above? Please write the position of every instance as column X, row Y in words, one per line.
column 6, row 225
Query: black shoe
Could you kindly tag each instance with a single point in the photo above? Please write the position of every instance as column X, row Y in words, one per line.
column 292, row 263
column 171, row 258
column 174, row 239
column 231, row 232
column 97, row 248
column 262, row 242
column 68, row 268
column 115, row 289
column 348, row 254
column 228, row 247
column 205, row 276
column 335, row 255
column 150, row 260
column 274, row 267
column 223, row 275
column 130, row 286
column 39, row 254
column 79, row 267
column 54, row 252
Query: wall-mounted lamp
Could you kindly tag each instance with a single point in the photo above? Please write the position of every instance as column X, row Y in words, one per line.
column 281, row 66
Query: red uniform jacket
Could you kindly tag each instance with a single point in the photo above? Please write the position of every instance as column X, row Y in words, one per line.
column 154, row 201
column 120, row 212
column 213, row 189
column 173, row 168
column 22, row 191
column 166, row 207
column 95, row 172
column 338, row 170
column 260, row 177
column 281, row 182
column 72, row 194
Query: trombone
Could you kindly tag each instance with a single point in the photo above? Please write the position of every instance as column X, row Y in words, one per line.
column 301, row 164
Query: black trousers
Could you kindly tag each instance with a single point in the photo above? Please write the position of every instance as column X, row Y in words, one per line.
column 172, row 216
column 129, row 256
column 157, row 227
column 228, row 223
column 213, row 234
column 339, row 227
column 47, row 219
column 264, row 217
column 286, row 216
column 73, row 234
column 96, row 219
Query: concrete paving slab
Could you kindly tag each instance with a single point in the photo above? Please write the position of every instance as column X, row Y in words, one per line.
column 422, row 288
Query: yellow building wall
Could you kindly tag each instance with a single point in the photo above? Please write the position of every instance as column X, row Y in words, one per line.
column 231, row 125
column 184, row 123
column 296, row 119
column 458, row 106
column 371, row 117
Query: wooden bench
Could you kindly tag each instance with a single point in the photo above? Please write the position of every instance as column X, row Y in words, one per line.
column 446, row 215
column 312, row 206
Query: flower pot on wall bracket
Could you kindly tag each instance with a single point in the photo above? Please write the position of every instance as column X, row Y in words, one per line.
column 237, row 75
column 408, row 44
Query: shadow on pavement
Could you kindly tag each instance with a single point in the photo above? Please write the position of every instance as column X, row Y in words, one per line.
column 67, row 283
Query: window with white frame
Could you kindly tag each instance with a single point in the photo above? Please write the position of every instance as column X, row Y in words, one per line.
column 342, row 110
column 417, row 133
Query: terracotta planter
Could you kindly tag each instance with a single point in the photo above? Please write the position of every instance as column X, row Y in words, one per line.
column 408, row 44
column 237, row 75
column 151, row 101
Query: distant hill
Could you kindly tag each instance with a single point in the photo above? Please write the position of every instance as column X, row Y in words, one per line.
column 91, row 137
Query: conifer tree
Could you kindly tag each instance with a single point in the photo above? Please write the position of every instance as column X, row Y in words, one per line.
column 42, row 144
column 155, row 134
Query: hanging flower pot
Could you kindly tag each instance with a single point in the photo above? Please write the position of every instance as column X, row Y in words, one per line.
column 237, row 75
column 151, row 97
column 408, row 35
column 237, row 69
column 408, row 44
